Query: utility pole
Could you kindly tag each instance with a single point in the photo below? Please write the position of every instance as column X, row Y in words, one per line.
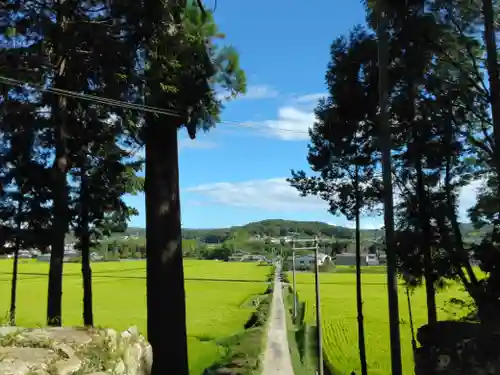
column 385, row 147
column 318, row 310
column 412, row 329
column 294, row 312
column 319, row 345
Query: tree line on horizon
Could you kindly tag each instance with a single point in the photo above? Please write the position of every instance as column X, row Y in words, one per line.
column 444, row 119
column 85, row 85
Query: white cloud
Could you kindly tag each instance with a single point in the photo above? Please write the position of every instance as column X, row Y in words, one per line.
column 196, row 144
column 467, row 198
column 183, row 144
column 309, row 100
column 254, row 92
column 292, row 124
column 293, row 119
column 270, row 195
column 260, row 92
column 276, row 194
column 369, row 223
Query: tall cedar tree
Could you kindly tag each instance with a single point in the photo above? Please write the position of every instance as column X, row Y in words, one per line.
column 69, row 48
column 103, row 164
column 379, row 18
column 180, row 66
column 103, row 176
column 24, row 217
column 467, row 20
column 340, row 151
column 18, row 181
column 450, row 104
column 413, row 56
column 464, row 125
column 419, row 47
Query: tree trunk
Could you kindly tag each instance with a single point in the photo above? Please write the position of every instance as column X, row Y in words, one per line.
column 60, row 189
column 359, row 289
column 423, row 209
column 385, row 147
column 165, row 274
column 426, row 241
column 457, row 234
column 88, row 317
column 494, row 81
column 60, row 224
column 13, row 290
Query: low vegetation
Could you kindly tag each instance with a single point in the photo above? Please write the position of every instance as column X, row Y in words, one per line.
column 299, row 337
column 243, row 350
column 219, row 300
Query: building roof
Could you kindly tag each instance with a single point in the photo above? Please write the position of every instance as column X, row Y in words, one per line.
column 320, row 255
column 351, row 255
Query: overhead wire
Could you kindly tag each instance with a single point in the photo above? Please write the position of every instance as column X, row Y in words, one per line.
column 88, row 97
column 133, row 106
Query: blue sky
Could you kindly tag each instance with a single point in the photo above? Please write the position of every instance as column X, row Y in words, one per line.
column 235, row 173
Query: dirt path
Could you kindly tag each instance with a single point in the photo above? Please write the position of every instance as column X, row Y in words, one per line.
column 277, row 359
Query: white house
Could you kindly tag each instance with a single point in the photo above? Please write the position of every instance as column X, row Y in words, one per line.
column 307, row 261
column 253, row 258
column 372, row 260
column 68, row 254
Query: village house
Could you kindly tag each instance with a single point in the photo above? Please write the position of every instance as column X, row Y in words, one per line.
column 307, row 261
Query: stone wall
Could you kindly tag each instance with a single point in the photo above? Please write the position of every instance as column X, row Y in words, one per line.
column 73, row 351
column 452, row 348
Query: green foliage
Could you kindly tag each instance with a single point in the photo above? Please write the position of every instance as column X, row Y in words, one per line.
column 299, row 338
column 442, row 136
column 340, row 148
column 271, row 228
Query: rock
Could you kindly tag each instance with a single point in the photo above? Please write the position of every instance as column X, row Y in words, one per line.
column 68, row 367
column 67, row 351
column 132, row 359
column 126, row 336
column 38, row 372
column 147, row 359
column 443, row 361
column 20, row 361
column 112, row 338
column 7, row 330
column 120, row 368
column 69, row 363
column 77, row 336
column 133, row 331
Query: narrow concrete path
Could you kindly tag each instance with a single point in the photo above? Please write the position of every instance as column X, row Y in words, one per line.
column 277, row 359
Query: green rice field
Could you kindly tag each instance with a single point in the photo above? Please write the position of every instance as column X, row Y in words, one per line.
column 338, row 309
column 218, row 296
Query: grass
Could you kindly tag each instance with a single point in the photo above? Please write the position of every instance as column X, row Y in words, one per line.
column 217, row 299
column 243, row 350
column 338, row 306
column 302, row 357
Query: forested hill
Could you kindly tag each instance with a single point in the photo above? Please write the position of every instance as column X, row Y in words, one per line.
column 279, row 228
column 273, row 228
column 266, row 228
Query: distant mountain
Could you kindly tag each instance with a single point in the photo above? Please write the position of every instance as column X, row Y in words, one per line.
column 277, row 228
column 304, row 229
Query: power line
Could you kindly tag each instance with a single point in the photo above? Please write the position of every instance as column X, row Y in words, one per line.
column 137, row 107
column 91, row 98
